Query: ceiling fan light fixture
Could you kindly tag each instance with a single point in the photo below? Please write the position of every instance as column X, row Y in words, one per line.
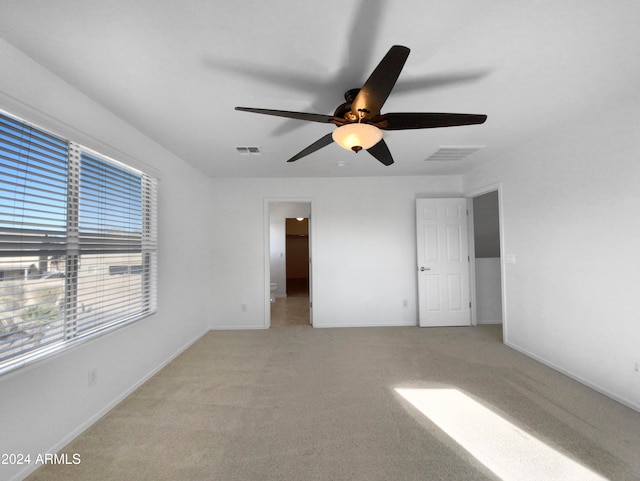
column 364, row 105
column 357, row 136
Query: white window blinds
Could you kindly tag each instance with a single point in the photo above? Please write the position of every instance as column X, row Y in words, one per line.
column 77, row 243
column 33, row 219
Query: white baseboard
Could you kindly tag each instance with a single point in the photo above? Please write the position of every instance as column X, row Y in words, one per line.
column 236, row 328
column 627, row 402
column 326, row 326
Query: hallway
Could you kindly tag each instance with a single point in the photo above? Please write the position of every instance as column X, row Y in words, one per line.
column 292, row 310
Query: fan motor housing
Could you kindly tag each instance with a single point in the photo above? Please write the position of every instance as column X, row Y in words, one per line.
column 344, row 111
column 350, row 95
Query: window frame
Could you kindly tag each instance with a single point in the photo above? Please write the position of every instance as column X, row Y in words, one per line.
column 146, row 247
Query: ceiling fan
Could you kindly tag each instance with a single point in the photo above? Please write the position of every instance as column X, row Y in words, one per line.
column 359, row 120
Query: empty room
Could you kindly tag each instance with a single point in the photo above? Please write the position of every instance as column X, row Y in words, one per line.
column 361, row 240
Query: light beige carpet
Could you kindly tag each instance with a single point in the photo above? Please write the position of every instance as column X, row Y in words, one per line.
column 302, row 404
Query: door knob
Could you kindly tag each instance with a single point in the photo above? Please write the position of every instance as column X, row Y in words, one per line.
column 425, row 268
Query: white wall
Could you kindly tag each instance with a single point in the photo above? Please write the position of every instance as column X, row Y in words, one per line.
column 363, row 247
column 571, row 202
column 46, row 404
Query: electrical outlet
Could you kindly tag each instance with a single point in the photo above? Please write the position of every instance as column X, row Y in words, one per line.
column 405, row 303
column 92, row 377
column 243, row 308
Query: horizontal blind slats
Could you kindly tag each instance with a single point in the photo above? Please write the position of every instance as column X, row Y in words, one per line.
column 33, row 195
column 68, row 273
column 110, row 218
column 33, row 175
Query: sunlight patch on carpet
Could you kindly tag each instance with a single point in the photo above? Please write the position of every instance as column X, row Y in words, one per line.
column 510, row 452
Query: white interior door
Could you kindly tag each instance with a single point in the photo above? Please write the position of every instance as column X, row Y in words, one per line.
column 443, row 262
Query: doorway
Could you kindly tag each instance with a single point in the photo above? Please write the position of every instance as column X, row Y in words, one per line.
column 297, row 256
column 289, row 272
column 486, row 257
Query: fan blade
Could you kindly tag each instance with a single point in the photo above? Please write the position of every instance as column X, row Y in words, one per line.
column 327, row 119
column 305, row 82
column 439, row 80
column 378, row 86
column 317, row 145
column 381, row 152
column 404, row 121
column 368, row 17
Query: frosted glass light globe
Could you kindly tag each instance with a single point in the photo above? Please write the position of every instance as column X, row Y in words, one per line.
column 357, row 136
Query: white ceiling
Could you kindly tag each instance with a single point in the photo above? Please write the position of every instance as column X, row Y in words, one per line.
column 175, row 70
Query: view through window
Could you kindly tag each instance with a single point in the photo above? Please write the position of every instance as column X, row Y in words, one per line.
column 77, row 243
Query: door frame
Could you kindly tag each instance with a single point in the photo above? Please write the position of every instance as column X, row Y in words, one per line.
column 267, row 251
column 497, row 186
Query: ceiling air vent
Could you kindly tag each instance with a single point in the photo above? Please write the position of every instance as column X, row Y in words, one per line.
column 249, row 150
column 454, row 152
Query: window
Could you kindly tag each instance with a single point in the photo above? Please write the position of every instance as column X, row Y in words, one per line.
column 77, row 243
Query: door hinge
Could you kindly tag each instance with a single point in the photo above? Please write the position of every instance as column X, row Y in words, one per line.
column 469, row 305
